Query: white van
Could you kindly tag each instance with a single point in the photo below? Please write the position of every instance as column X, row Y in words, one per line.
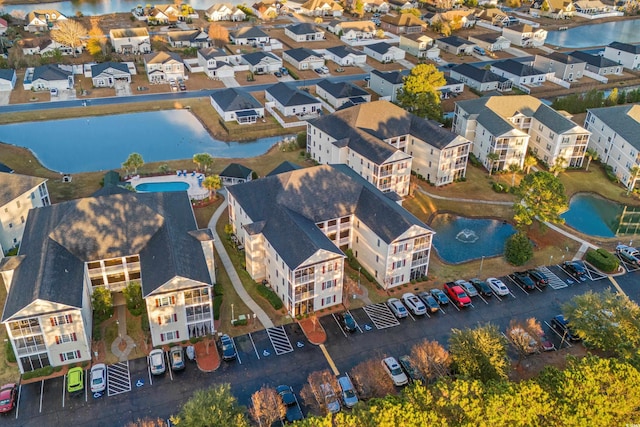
column 348, row 391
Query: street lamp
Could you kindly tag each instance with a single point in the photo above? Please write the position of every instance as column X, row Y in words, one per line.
column 551, row 260
column 232, row 312
column 481, row 263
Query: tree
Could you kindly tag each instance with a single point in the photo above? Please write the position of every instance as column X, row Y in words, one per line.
column 419, row 94
column 133, row 298
column 102, row 304
column 559, row 166
column 69, row 33
column 431, row 358
column 607, row 320
column 371, row 380
column 514, row 169
column 148, row 422
column 358, row 8
column 518, row 249
column 529, row 162
column 134, row 161
column 479, row 353
column 492, row 158
column 635, row 172
column 203, row 161
column 213, row 407
column 542, row 195
column 218, row 34
column 94, row 47
column 525, row 336
column 590, row 154
column 266, row 406
column 415, row 12
column 612, row 99
column 212, row 183
column 312, row 392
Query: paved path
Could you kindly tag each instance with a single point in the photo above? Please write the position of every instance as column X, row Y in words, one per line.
column 231, row 271
column 122, row 355
column 456, row 199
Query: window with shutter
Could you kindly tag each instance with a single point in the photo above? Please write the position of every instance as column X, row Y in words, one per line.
column 62, row 358
column 159, row 320
column 175, row 317
column 57, row 340
column 161, row 337
column 177, row 334
column 75, row 337
column 78, row 354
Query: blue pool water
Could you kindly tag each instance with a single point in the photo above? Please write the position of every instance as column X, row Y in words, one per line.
column 459, row 239
column 157, row 187
column 593, row 215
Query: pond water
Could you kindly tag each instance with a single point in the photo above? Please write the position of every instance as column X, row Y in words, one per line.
column 593, row 215
column 459, row 239
column 627, row 31
column 103, row 143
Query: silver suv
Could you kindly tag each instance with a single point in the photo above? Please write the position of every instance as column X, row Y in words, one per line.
column 397, row 308
column 349, row 396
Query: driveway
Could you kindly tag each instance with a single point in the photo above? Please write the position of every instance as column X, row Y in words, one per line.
column 4, row 97
column 122, row 88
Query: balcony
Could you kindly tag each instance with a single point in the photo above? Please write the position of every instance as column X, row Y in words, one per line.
column 31, row 349
column 25, row 331
column 204, row 299
column 385, row 172
column 199, row 317
column 419, row 261
column 304, row 296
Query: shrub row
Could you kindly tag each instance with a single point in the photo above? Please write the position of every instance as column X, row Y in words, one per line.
column 353, row 262
column 608, row 169
column 9, row 354
column 602, row 260
column 499, row 188
column 42, row 372
column 270, row 296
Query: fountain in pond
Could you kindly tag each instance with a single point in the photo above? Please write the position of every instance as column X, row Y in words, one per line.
column 467, row 236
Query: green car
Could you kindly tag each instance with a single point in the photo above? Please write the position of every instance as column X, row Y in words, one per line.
column 75, row 380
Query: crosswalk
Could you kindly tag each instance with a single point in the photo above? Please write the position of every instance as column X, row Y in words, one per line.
column 555, row 282
column 381, row 316
column 118, row 378
column 279, row 340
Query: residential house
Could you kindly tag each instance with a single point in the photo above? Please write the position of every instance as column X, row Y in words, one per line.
column 225, row 12
column 493, row 15
column 69, row 249
column 387, row 83
column 452, row 87
column 509, row 125
column 303, row 58
column 46, row 46
column 563, row 66
column 291, row 101
column 217, row 63
column 235, row 173
column 384, row 52
column 235, row 105
column 520, row 73
column 403, row 23
column 50, row 76
column 266, row 10
column 163, row 66
column 455, row 45
column 130, row 40
column 403, row 4
column 292, row 229
column 321, row 8
column 4, row 26
column 304, row 32
column 7, row 79
column 597, row 64
column 416, row 44
column 556, row 9
column 458, row 18
column 252, row 36
column 378, row 6
column 170, row 13
column 524, row 35
column 262, row 62
column 591, row 7
column 18, row 194
column 41, row 20
column 625, row 54
column 106, row 74
column 339, row 94
column 346, row 56
column 353, row 30
column 480, row 79
column 188, row 38
column 491, row 42
column 614, row 136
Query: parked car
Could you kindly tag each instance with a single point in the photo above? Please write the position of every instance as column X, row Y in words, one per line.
column 228, row 349
column 429, row 301
column 349, row 396
column 53, row 91
column 414, row 304
column 397, row 308
column 393, row 369
column 75, row 380
column 482, row 287
column 277, row 74
column 318, row 70
column 98, row 378
column 294, row 413
column 324, row 69
column 457, row 294
column 546, row 344
column 498, row 287
column 8, row 395
column 176, row 355
column 561, row 325
column 576, row 270
column 522, row 278
column 156, row 361
column 347, row 321
column 539, row 278
column 412, row 371
column 440, row 296
column 330, row 400
column 628, row 254
column 284, row 71
column 467, row 287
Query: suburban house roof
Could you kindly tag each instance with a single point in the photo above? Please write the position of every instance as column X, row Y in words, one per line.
column 221, row 6
column 455, row 41
column 343, row 51
column 286, row 207
column 381, row 47
column 97, row 69
column 403, row 20
column 44, row 14
column 13, row 185
column 5, row 168
column 595, row 60
column 256, row 57
column 366, row 26
column 417, row 37
column 212, row 52
column 320, row 5
column 50, row 72
column 623, row 119
column 232, row 99
column 393, row 77
column 248, row 33
column 303, row 28
column 341, row 90
column 626, row 47
column 563, row 58
column 7, row 74
column 290, row 97
column 521, row 28
column 478, row 74
column 129, row 32
column 451, row 81
column 161, row 57
column 487, row 37
column 517, row 68
column 283, row 167
column 301, row 53
column 187, row 35
column 59, row 239
column 236, row 170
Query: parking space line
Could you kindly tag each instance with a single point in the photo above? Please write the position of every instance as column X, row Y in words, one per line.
column 482, row 298
column 41, row 393
column 339, row 325
column 64, row 380
column 518, row 285
column 511, row 293
column 412, row 318
column 335, row 370
column 279, row 340
column 169, row 365
column 617, row 286
column 254, row 346
column 497, row 296
column 442, row 310
column 562, row 338
column 86, row 385
column 233, row 341
column 455, row 306
column 18, row 402
column 149, row 371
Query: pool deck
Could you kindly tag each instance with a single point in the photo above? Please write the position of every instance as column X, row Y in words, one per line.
column 195, row 191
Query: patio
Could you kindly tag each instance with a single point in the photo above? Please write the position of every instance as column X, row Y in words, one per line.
column 193, row 179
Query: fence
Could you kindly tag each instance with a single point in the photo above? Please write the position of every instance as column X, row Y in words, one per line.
column 560, row 82
column 484, row 24
column 595, row 76
column 269, row 107
column 598, row 15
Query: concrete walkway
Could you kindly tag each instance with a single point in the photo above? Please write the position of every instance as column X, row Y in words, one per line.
column 121, row 315
column 231, row 271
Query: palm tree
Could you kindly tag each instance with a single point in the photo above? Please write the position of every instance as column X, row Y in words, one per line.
column 635, row 172
column 212, row 183
column 513, row 168
column 591, row 154
column 558, row 166
column 529, row 162
column 203, row 161
column 492, row 157
column 134, row 161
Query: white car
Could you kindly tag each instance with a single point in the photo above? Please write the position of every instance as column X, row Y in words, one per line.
column 156, row 362
column 331, row 401
column 98, row 378
column 498, row 287
column 349, row 396
column 53, row 91
column 414, row 304
column 397, row 308
column 324, row 69
column 392, row 367
column 628, row 254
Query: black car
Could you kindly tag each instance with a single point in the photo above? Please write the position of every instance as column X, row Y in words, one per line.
column 440, row 296
column 411, row 370
column 277, row 74
column 482, row 287
column 429, row 301
column 561, row 325
column 294, row 413
column 522, row 278
column 538, row 277
column 228, row 349
column 347, row 321
column 575, row 269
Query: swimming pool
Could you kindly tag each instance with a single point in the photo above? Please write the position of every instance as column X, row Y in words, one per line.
column 157, row 187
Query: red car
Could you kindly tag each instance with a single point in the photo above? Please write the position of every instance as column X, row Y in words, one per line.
column 457, row 294
column 8, row 394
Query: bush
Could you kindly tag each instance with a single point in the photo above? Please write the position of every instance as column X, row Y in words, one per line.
column 217, row 302
column 608, row 169
column 499, row 188
column 518, row 249
column 8, row 353
column 474, row 160
column 97, row 334
column 353, row 262
column 42, row 372
column 144, row 323
column 239, row 322
column 603, row 260
column 270, row 296
column 301, row 139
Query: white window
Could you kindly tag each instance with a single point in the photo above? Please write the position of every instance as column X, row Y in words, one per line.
column 61, row 320
column 167, row 318
column 64, row 338
column 165, row 301
column 168, row 336
column 71, row 355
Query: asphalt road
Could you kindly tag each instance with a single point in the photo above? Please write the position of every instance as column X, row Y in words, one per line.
column 287, row 358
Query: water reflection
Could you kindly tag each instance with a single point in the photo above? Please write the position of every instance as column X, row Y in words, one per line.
column 593, row 215
column 627, row 31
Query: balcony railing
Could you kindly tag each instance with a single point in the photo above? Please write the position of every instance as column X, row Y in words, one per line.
column 304, row 296
column 385, row 172
column 304, row 279
column 31, row 349
column 26, row 331
column 199, row 317
column 419, row 261
column 204, row 299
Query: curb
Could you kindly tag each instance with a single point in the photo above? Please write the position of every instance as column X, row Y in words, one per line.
column 310, row 341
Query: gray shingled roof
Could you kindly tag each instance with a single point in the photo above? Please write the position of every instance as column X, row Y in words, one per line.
column 97, row 69
column 517, row 68
column 60, row 238
column 380, row 47
column 236, row 170
column 393, row 77
column 248, row 33
column 626, row 47
column 301, row 53
column 341, row 90
column 477, row 74
column 563, row 58
column 232, row 99
column 13, row 185
column 290, row 97
column 303, row 28
column 50, row 73
column 255, row 57
column 343, row 51
column 495, row 124
column 7, row 74
column 618, row 119
column 283, row 167
column 594, row 60
column 212, row 52
column 455, row 41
